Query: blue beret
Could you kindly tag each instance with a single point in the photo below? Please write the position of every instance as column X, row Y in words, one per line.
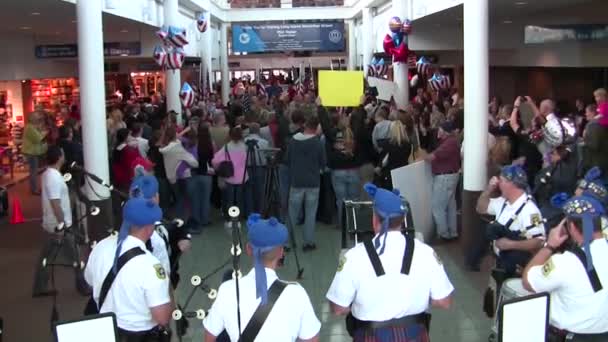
column 141, row 212
column 593, row 185
column 386, row 203
column 516, row 175
column 586, row 208
column 266, row 233
column 144, row 186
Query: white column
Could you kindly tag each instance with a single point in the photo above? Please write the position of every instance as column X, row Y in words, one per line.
column 352, row 45
column 172, row 77
column 366, row 40
column 92, row 95
column 476, row 82
column 206, row 53
column 224, row 62
column 400, row 70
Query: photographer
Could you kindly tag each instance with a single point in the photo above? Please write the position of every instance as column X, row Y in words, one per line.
column 517, row 230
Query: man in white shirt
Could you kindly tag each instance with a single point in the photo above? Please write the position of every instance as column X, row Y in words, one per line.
column 291, row 315
column 139, row 294
column 577, row 278
column 57, row 222
column 135, row 139
column 517, row 230
column 386, row 285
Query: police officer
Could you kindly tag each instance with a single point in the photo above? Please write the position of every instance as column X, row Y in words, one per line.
column 165, row 244
column 139, row 292
column 517, row 230
column 368, row 273
column 577, row 279
column 291, row 316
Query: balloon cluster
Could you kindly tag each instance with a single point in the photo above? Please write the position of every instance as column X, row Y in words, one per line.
column 377, row 68
column 395, row 43
column 171, row 54
column 439, row 82
column 186, row 95
column 202, row 23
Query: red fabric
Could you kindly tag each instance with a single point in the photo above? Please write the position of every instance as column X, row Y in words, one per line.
column 274, row 131
column 122, row 166
column 447, row 157
column 603, row 110
column 139, row 160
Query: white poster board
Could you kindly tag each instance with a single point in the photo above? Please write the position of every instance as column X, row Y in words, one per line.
column 415, row 182
column 386, row 89
column 524, row 319
column 94, row 328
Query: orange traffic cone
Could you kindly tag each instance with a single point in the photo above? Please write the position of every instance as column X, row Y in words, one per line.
column 17, row 214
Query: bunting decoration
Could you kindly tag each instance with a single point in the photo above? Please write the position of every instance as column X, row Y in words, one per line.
column 202, row 23
column 439, row 82
column 186, row 95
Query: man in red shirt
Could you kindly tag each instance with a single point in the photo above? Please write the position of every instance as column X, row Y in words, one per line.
column 445, row 165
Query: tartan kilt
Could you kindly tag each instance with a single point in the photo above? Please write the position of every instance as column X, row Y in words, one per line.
column 412, row 333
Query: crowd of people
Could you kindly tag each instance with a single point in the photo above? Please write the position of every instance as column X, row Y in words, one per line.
column 219, row 156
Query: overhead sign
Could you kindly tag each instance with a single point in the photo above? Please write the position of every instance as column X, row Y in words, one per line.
column 279, row 37
column 565, row 33
column 71, row 50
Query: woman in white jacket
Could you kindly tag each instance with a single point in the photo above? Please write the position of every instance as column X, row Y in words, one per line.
column 174, row 154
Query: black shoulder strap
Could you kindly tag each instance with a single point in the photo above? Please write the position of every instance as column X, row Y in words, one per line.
column 122, row 260
column 408, row 254
column 261, row 313
column 373, row 257
column 512, row 219
column 592, row 274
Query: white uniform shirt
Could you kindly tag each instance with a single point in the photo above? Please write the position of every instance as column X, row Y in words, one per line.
column 160, row 249
column 291, row 318
column 394, row 294
column 574, row 305
column 529, row 218
column 54, row 187
column 140, row 285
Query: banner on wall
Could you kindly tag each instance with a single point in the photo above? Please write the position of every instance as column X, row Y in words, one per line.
column 565, row 33
column 280, row 37
column 114, row 49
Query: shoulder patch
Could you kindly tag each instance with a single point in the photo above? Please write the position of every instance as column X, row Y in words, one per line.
column 536, row 220
column 341, row 263
column 437, row 258
column 160, row 271
column 548, row 267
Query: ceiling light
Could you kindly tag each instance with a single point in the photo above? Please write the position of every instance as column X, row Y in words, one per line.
column 521, row 3
column 35, row 13
column 25, row 28
column 507, row 21
column 124, row 31
column 74, row 21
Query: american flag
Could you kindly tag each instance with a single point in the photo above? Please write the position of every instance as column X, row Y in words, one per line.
column 311, row 78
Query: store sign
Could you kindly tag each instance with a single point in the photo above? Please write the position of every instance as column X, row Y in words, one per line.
column 71, row 50
column 565, row 33
column 279, row 37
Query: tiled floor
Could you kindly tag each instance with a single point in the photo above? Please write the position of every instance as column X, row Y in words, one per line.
column 27, row 319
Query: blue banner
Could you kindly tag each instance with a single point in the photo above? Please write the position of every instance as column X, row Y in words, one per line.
column 279, row 37
column 565, row 33
column 71, row 50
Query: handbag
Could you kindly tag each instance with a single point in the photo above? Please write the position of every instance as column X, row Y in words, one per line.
column 226, row 168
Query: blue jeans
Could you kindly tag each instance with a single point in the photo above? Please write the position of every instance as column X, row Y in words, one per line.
column 32, row 164
column 180, row 194
column 310, row 198
column 443, row 200
column 199, row 192
column 347, row 186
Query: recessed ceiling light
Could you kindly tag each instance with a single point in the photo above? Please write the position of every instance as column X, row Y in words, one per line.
column 35, row 13
column 521, row 3
column 124, row 31
column 25, row 28
column 507, row 21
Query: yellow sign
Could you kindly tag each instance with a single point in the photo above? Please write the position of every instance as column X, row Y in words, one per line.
column 340, row 88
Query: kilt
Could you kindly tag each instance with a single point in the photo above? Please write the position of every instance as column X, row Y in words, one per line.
column 412, row 333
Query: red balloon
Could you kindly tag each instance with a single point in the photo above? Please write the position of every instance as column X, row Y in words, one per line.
column 400, row 53
column 388, row 44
